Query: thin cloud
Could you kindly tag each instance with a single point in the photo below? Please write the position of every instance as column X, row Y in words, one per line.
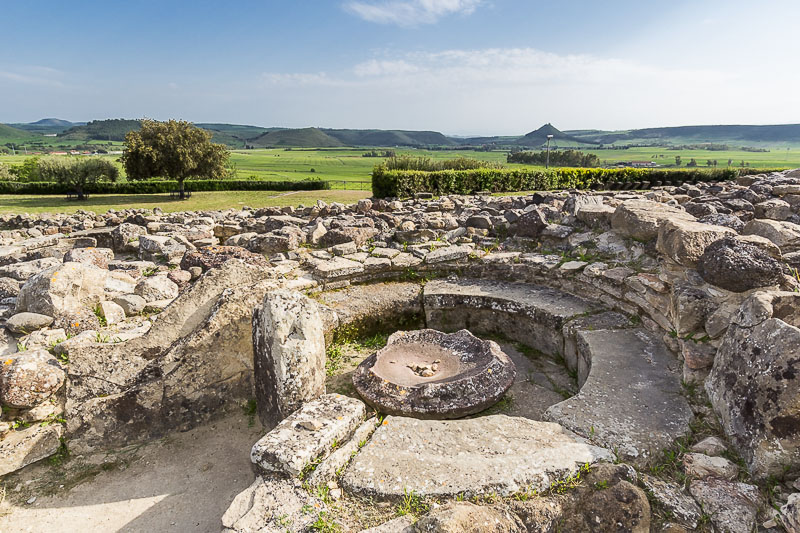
column 410, row 12
column 33, row 75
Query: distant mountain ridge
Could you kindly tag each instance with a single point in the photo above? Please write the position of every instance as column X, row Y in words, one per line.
column 241, row 136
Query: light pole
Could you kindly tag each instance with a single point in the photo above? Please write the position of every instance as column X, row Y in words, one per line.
column 547, row 163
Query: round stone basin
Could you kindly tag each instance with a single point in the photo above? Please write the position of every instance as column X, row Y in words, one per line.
column 430, row 374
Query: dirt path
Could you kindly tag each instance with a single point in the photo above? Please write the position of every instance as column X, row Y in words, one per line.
column 184, row 482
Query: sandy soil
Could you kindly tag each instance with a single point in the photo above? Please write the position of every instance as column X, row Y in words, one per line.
column 183, row 482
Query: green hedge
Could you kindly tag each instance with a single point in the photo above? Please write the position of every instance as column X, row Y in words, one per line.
column 403, row 183
column 162, row 186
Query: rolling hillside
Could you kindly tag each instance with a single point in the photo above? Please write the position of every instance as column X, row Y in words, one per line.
column 103, row 130
column 787, row 134
column 47, row 126
column 9, row 134
column 390, row 137
column 300, row 138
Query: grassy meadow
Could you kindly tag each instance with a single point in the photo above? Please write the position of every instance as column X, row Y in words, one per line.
column 347, row 169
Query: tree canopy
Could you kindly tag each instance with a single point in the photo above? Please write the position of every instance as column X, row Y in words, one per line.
column 175, row 149
column 77, row 172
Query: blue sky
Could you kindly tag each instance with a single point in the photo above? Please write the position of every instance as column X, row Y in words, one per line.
column 457, row 66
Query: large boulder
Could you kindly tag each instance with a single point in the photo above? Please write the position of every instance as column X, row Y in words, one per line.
column 98, row 257
column 738, row 266
column 25, row 446
column 784, row 234
column 466, row 517
column 289, row 351
column 28, row 378
column 733, row 507
column 24, row 323
column 209, row 257
column 126, row 237
column 529, row 225
column 754, row 385
column 641, row 219
column 195, row 360
column 156, row 288
column 348, row 234
column 62, row 290
column 685, row 241
column 160, row 248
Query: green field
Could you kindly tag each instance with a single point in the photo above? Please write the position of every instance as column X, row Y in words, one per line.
column 198, row 202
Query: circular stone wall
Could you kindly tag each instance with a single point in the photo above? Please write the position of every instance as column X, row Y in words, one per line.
column 430, row 374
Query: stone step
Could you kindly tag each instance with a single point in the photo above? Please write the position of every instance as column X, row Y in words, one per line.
column 631, row 401
column 531, row 314
column 446, row 458
column 310, row 433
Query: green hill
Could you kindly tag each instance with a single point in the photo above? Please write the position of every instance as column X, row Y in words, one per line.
column 539, row 137
column 787, row 134
column 300, row 138
column 46, row 126
column 10, row 134
column 101, row 130
column 389, row 137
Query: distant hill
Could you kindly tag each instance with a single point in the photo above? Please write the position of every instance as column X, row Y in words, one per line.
column 47, row 126
column 534, row 139
column 102, row 130
column 539, row 137
column 300, row 138
column 10, row 134
column 722, row 134
column 390, row 138
column 233, row 135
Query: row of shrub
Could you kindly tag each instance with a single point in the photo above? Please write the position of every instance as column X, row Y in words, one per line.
column 426, row 164
column 162, row 186
column 404, row 183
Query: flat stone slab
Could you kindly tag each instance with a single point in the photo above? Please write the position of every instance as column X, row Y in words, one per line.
column 308, row 434
column 445, row 458
column 529, row 313
column 632, row 399
column 338, row 267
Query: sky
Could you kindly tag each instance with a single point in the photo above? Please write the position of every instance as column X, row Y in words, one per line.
column 462, row 67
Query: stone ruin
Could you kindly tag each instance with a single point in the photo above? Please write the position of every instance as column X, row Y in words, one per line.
column 674, row 311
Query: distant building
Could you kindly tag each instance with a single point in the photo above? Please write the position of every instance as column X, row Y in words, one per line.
column 636, row 164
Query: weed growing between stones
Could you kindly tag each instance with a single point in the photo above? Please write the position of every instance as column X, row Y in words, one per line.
column 249, row 408
column 411, row 504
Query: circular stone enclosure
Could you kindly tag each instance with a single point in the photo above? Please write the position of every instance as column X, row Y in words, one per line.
column 430, row 374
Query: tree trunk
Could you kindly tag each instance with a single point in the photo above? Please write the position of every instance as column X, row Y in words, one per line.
column 79, row 190
column 183, row 193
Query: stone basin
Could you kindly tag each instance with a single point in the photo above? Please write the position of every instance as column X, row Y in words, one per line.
column 430, row 374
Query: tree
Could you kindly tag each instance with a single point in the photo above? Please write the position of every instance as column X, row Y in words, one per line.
column 677, row 160
column 77, row 172
column 176, row 150
column 692, row 162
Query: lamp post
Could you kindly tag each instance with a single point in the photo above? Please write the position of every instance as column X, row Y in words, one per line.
column 547, row 163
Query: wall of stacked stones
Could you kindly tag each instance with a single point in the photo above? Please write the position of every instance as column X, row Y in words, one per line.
column 689, row 262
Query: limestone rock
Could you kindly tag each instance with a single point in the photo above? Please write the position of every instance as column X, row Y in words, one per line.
column 738, row 266
column 23, row 271
column 209, row 257
column 156, row 288
column 790, row 513
column 62, row 290
column 444, row 458
column 98, row 257
column 701, row 466
column 24, row 446
column 272, row 505
column 685, row 241
column 712, row 446
column 466, row 517
column 732, row 506
column 785, row 235
column 308, row 434
column 126, row 237
column 131, row 304
column 681, row 505
column 29, row 378
column 112, row 313
column 401, row 524
column 621, row 506
column 24, row 323
column 160, row 249
column 9, row 288
column 641, row 219
column 754, row 387
column 289, row 351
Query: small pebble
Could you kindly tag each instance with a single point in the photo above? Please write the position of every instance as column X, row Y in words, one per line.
column 31, row 500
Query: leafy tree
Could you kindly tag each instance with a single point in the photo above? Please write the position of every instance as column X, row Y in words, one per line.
column 5, row 173
column 28, row 170
column 677, row 160
column 77, row 172
column 175, row 149
column 692, row 162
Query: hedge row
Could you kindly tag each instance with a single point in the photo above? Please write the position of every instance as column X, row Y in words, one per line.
column 162, row 186
column 404, row 183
